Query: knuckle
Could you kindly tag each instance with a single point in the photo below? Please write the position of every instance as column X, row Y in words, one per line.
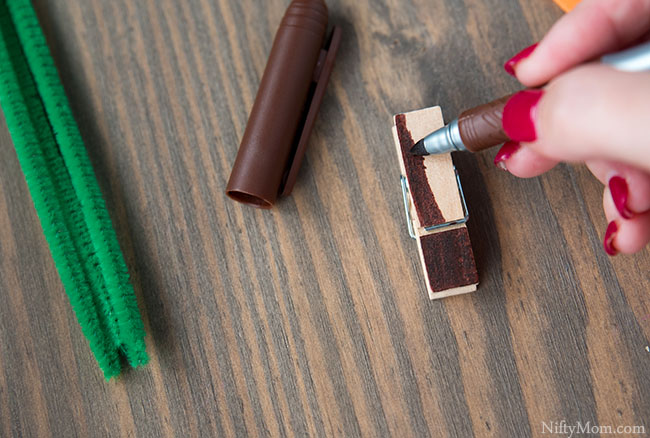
column 565, row 98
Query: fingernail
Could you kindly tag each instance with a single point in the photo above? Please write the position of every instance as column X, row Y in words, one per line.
column 610, row 234
column 519, row 115
column 619, row 192
column 509, row 66
column 504, row 153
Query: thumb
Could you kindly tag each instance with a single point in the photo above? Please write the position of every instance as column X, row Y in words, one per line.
column 591, row 112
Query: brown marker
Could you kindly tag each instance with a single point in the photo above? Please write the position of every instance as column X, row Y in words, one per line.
column 474, row 130
column 480, row 128
column 285, row 108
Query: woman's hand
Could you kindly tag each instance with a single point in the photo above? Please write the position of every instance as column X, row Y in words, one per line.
column 588, row 113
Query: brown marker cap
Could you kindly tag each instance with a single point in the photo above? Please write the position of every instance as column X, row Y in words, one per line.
column 285, row 108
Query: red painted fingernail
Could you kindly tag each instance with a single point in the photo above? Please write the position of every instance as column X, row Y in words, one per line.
column 504, row 153
column 618, row 189
column 509, row 66
column 519, row 115
column 610, row 234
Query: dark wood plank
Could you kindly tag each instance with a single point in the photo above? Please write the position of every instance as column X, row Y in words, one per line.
column 313, row 318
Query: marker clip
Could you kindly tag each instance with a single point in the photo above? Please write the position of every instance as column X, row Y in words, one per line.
column 322, row 73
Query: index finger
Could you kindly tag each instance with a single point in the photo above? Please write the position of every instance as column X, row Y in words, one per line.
column 592, row 29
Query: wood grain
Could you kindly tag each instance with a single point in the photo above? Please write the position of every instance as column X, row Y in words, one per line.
column 312, row 319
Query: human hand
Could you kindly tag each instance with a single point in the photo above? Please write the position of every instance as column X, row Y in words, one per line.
column 588, row 113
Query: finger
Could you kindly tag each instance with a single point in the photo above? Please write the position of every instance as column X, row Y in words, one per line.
column 592, row 112
column 522, row 162
column 625, row 236
column 593, row 28
column 629, row 187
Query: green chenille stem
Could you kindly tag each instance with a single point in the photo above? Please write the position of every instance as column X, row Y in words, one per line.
column 36, row 151
column 111, row 262
column 42, row 121
column 78, row 230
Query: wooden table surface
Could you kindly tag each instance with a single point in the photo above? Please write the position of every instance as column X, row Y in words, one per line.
column 312, row 318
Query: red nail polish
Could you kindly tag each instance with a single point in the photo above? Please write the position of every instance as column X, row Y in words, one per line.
column 519, row 115
column 618, row 189
column 509, row 66
column 504, row 153
column 610, row 234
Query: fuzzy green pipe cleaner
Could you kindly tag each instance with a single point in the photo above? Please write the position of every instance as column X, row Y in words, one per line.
column 66, row 196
